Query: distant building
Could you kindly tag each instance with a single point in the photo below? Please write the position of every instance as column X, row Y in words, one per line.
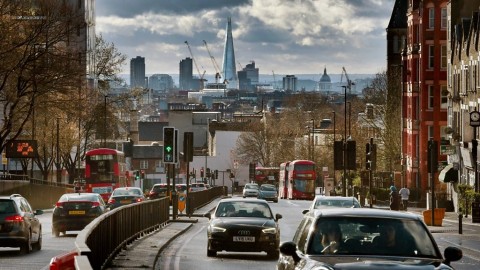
column 229, row 69
column 248, row 77
column 325, row 83
column 186, row 74
column 160, row 82
column 290, row 83
column 137, row 72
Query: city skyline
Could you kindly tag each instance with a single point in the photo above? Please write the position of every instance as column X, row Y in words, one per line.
column 287, row 37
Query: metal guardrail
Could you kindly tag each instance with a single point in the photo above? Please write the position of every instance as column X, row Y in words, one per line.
column 104, row 237
column 26, row 178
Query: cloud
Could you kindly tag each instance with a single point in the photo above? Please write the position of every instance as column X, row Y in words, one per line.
column 288, row 36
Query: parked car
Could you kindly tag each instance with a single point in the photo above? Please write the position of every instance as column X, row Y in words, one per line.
column 19, row 225
column 345, row 238
column 198, row 186
column 243, row 225
column 321, row 201
column 125, row 195
column 74, row 211
column 158, row 191
column 268, row 192
column 181, row 188
column 250, row 190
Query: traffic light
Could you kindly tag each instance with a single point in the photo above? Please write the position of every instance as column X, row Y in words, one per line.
column 351, row 155
column 137, row 175
column 201, row 172
column 368, row 155
column 208, row 173
column 168, row 144
column 338, row 155
column 216, row 174
column 143, row 174
column 432, row 154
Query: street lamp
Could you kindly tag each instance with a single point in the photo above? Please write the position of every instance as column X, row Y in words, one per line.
column 334, row 131
column 105, row 123
column 344, row 180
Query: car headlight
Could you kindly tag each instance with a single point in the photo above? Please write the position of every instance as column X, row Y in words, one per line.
column 270, row 230
column 218, row 229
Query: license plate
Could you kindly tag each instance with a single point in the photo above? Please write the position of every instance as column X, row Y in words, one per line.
column 243, row 239
column 76, row 212
column 125, row 201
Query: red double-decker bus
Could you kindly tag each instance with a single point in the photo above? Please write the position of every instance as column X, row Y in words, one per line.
column 266, row 175
column 301, row 179
column 105, row 170
column 282, row 180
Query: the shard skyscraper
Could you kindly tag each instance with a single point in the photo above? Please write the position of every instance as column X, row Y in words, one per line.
column 229, row 70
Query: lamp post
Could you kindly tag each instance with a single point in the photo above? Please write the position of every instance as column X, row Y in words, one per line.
column 334, row 131
column 59, row 170
column 344, row 180
column 105, row 123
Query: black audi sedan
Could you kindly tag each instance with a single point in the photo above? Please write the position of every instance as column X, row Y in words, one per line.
column 74, row 211
column 363, row 238
column 243, row 225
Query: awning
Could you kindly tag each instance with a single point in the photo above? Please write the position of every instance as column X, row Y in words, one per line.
column 448, row 174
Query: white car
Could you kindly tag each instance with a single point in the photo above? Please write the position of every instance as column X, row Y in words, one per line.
column 321, row 202
column 198, row 187
column 250, row 190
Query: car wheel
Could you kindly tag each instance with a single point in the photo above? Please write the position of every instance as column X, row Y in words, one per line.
column 38, row 244
column 27, row 245
column 55, row 232
column 211, row 253
column 274, row 254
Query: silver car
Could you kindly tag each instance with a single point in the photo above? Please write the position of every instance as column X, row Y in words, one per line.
column 364, row 238
column 250, row 190
column 321, row 202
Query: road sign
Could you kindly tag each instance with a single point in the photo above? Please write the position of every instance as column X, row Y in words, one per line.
column 4, row 159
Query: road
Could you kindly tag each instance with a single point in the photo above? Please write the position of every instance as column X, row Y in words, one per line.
column 188, row 251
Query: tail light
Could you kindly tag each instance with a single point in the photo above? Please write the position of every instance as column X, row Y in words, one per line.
column 95, row 204
column 111, row 201
column 139, row 199
column 59, row 204
column 15, row 218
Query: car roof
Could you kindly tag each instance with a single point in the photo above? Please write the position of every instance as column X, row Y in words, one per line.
column 334, row 198
column 127, row 188
column 364, row 212
column 82, row 195
column 242, row 200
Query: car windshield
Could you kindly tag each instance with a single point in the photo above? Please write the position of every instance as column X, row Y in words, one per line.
column 243, row 209
column 371, row 236
column 127, row 192
column 333, row 202
column 251, row 186
column 268, row 188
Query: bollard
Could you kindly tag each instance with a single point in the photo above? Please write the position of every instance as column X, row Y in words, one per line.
column 460, row 216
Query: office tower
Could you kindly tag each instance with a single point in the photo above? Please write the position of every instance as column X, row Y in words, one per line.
column 160, row 82
column 248, row 77
column 137, row 72
column 229, row 70
column 290, row 83
column 186, row 74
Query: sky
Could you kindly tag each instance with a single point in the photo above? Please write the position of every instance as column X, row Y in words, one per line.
column 281, row 36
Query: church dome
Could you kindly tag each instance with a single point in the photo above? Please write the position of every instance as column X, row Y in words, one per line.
column 325, row 78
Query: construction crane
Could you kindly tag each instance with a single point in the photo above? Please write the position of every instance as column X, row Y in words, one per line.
column 349, row 82
column 200, row 75
column 218, row 73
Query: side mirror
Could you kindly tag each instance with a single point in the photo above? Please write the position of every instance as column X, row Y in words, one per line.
column 452, row 254
column 208, row 215
column 38, row 212
column 290, row 249
column 305, row 211
column 278, row 216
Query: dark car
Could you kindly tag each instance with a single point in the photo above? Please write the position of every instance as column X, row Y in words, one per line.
column 243, row 226
column 268, row 192
column 19, row 226
column 125, row 195
column 363, row 238
column 158, row 191
column 74, row 211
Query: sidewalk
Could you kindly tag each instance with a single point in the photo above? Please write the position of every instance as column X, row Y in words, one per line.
column 143, row 252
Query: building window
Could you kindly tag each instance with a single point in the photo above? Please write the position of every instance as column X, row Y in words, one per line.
column 430, row 96
column 444, row 18
column 443, row 97
column 143, row 164
column 431, row 18
column 444, row 57
column 158, row 163
column 430, row 132
column 431, row 56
